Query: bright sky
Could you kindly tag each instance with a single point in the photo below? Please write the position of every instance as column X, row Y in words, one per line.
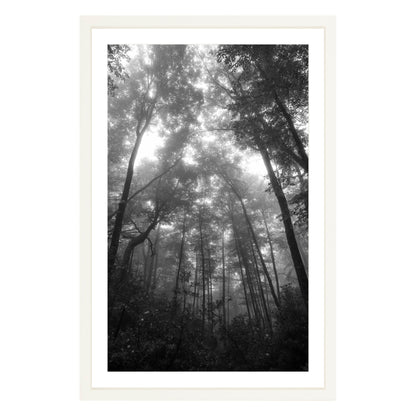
column 252, row 161
column 151, row 141
column 255, row 164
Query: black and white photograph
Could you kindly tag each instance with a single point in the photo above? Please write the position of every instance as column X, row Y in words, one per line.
column 208, row 236
column 200, row 208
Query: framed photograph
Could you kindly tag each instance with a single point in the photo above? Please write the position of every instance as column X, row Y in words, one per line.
column 208, row 208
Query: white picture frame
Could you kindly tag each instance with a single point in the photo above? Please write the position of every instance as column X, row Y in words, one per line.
column 248, row 392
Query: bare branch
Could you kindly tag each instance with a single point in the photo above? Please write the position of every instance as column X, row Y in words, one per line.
column 147, row 185
column 136, row 226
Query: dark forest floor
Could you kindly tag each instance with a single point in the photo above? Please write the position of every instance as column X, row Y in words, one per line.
column 153, row 337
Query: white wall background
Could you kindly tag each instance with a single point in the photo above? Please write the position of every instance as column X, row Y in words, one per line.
column 39, row 135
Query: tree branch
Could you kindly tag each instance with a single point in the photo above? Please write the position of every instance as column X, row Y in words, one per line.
column 147, row 185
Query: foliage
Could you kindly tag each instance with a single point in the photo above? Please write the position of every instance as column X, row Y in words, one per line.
column 151, row 338
column 116, row 56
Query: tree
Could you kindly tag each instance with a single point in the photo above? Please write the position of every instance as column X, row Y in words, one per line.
column 117, row 56
column 260, row 103
column 160, row 85
column 271, row 81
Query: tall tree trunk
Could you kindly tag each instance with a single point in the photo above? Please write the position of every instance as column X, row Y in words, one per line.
column 198, row 295
column 272, row 255
column 149, row 267
column 241, row 271
column 178, row 272
column 185, row 292
column 251, row 230
column 224, row 316
column 203, row 271
column 145, row 251
column 287, row 222
column 228, row 298
column 267, row 291
column 299, row 145
column 210, row 302
column 289, row 120
column 261, row 291
column 153, row 280
column 131, row 261
column 115, row 237
column 253, row 235
column 137, row 262
column 253, row 293
column 153, row 263
column 195, row 283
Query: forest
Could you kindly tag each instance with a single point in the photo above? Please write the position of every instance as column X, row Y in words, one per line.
column 207, row 207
